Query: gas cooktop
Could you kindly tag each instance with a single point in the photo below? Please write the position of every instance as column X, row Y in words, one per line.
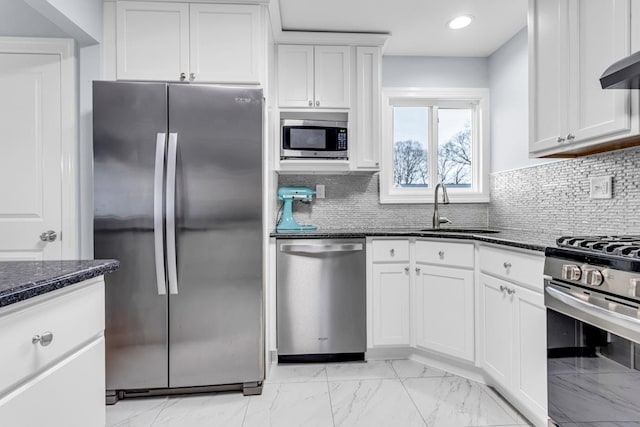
column 625, row 246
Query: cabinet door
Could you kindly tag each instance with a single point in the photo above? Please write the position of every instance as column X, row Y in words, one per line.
column 70, row 394
column 496, row 329
column 530, row 349
column 224, row 43
column 332, row 76
column 444, row 310
column 600, row 35
column 295, row 76
column 548, row 71
column 367, row 143
column 152, row 40
column 391, row 314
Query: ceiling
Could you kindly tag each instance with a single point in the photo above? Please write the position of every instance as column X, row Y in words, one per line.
column 417, row 27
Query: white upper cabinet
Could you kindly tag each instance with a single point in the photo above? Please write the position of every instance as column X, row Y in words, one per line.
column 571, row 44
column 314, row 76
column 332, row 76
column 152, row 40
column 366, row 152
column 224, row 43
column 295, row 75
column 200, row 42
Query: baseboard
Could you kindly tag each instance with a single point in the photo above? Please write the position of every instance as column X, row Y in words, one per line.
column 386, row 353
column 460, row 368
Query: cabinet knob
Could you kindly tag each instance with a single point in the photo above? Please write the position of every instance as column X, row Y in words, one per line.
column 506, row 265
column 503, row 288
column 192, row 76
column 441, row 254
column 310, row 103
column 392, row 252
column 317, row 103
column 560, row 139
column 183, row 76
column 417, row 270
column 511, row 291
column 571, row 137
column 406, row 269
column 44, row 339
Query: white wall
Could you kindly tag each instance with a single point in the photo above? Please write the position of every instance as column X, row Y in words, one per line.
column 79, row 19
column 444, row 72
column 508, row 85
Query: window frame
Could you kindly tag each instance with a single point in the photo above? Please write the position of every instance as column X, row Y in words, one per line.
column 437, row 98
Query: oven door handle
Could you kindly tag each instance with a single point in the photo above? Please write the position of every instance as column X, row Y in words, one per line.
column 608, row 320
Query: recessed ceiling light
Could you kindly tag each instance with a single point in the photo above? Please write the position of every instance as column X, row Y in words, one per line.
column 460, row 22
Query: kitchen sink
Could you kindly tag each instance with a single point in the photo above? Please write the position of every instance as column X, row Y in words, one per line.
column 461, row 230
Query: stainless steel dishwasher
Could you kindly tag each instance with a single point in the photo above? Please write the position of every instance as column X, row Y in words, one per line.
column 321, row 292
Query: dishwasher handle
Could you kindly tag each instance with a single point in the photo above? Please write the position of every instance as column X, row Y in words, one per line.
column 319, row 249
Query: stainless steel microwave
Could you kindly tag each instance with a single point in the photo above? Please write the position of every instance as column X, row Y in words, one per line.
column 314, row 139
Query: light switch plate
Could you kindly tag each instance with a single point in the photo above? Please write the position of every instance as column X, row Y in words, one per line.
column 601, row 187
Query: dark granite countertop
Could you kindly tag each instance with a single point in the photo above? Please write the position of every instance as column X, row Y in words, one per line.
column 21, row 280
column 532, row 240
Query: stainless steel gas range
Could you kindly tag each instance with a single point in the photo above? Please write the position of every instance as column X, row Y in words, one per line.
column 592, row 295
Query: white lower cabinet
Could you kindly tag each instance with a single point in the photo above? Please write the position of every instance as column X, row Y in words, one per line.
column 391, row 297
column 390, row 293
column 65, row 395
column 513, row 342
column 444, row 310
column 59, row 381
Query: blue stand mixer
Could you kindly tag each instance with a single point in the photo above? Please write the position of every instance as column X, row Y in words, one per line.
column 287, row 223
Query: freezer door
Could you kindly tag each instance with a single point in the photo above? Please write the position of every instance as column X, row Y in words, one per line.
column 129, row 121
column 216, row 301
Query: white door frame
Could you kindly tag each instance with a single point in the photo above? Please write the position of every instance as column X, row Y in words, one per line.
column 70, row 236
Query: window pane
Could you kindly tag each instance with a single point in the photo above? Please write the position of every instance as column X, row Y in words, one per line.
column 454, row 147
column 410, row 141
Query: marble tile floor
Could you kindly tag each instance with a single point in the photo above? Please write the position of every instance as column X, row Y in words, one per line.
column 389, row 393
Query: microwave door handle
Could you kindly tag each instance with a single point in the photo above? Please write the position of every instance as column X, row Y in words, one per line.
column 605, row 319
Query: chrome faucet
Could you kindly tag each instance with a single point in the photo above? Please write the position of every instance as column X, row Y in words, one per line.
column 437, row 219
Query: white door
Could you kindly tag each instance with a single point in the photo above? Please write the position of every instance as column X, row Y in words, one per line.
column 391, row 313
column 295, row 76
column 332, row 76
column 496, row 330
column 224, row 43
column 444, row 310
column 30, row 160
column 152, row 40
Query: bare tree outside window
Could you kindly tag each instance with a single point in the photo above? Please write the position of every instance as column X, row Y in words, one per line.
column 454, row 147
column 410, row 163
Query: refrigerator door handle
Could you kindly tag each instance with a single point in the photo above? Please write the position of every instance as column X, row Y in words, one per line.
column 158, row 230
column 171, row 213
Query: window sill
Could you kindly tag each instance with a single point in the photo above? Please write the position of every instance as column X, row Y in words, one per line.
column 428, row 198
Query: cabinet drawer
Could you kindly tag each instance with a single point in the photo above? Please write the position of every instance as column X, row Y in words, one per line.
column 390, row 251
column 73, row 318
column 513, row 266
column 445, row 253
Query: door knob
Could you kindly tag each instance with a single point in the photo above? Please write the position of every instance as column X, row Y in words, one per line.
column 48, row 236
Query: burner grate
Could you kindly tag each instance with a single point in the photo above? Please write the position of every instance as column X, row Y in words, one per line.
column 626, row 246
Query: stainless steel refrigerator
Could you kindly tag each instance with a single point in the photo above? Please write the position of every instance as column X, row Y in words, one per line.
column 178, row 200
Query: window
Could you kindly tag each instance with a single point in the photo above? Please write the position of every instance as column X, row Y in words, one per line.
column 432, row 136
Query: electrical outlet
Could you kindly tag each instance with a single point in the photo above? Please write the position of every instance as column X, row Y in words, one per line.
column 319, row 191
column 600, row 187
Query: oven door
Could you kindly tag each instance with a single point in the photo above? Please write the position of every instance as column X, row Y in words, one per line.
column 593, row 358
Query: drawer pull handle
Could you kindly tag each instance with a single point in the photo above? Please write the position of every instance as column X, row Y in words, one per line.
column 44, row 339
column 507, row 264
column 392, row 252
column 441, row 254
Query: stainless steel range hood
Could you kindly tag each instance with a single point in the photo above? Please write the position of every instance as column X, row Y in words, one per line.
column 623, row 74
